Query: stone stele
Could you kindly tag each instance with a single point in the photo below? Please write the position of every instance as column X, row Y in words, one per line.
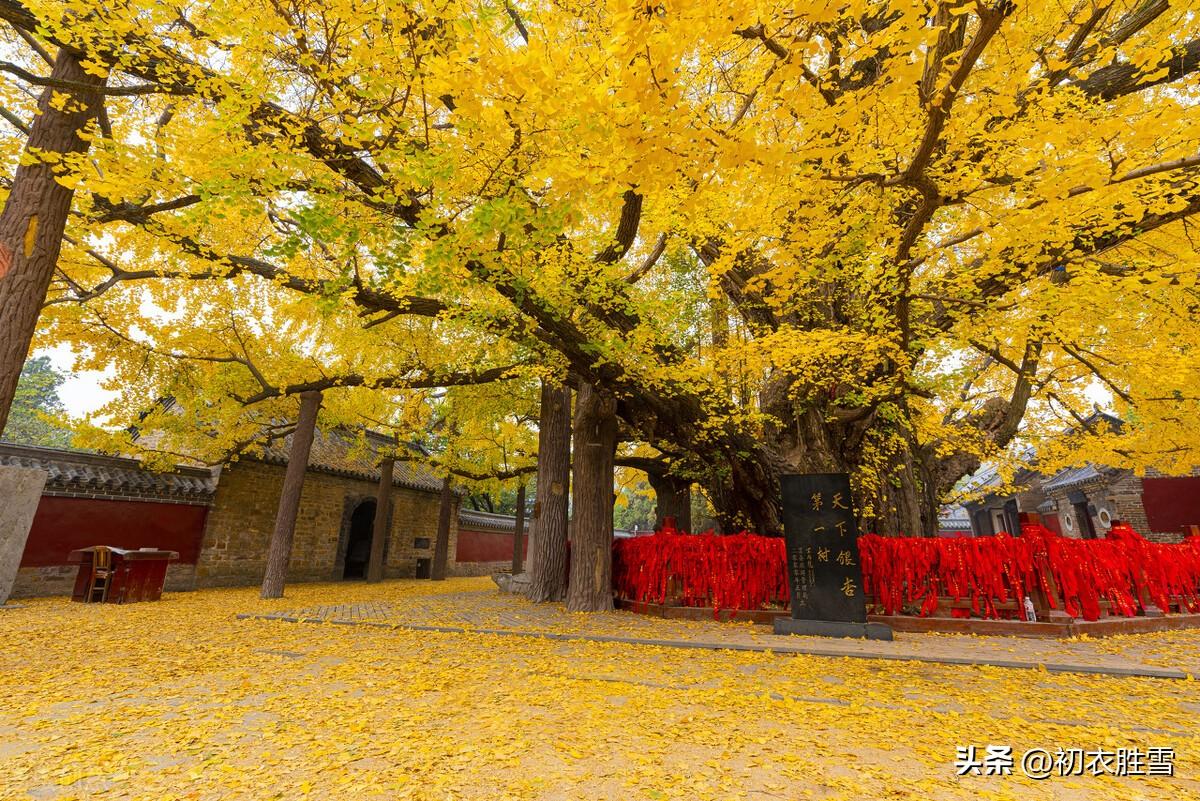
column 20, row 492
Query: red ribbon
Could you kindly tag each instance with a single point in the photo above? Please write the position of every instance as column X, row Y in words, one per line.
column 909, row 574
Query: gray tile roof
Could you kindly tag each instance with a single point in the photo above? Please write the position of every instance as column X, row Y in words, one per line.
column 1071, row 476
column 487, row 521
column 78, row 473
column 341, row 454
column 476, row 520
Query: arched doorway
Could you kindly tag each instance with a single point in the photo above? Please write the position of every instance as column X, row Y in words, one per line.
column 358, row 543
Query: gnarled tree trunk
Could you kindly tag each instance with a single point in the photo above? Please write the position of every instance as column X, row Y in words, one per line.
column 672, row 498
column 548, row 555
column 744, row 484
column 590, row 586
column 35, row 214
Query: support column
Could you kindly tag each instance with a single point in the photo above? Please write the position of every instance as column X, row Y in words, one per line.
column 519, row 533
column 379, row 534
column 280, row 552
column 441, row 548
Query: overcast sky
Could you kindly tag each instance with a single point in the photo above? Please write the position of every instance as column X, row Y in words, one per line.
column 81, row 393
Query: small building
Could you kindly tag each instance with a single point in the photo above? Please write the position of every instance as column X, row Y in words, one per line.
column 954, row 521
column 1083, row 502
column 220, row 520
column 995, row 509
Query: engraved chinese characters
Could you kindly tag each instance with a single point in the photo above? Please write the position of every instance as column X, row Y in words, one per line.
column 822, row 559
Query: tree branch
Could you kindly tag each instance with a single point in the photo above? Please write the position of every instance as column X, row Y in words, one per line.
column 660, row 247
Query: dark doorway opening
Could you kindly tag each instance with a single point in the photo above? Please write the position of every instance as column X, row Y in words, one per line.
column 424, row 568
column 358, row 544
column 1083, row 516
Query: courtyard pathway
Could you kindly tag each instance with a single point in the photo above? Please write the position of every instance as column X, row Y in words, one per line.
column 1172, row 655
column 182, row 699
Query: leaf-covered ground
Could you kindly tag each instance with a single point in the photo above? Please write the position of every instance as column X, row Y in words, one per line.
column 179, row 699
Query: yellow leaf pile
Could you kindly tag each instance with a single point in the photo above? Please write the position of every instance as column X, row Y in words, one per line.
column 180, row 700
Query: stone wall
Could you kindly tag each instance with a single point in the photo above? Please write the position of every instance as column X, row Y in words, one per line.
column 20, row 492
column 478, row 568
column 243, row 516
column 60, row 580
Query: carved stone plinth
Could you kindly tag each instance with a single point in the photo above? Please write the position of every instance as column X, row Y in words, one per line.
column 833, row 628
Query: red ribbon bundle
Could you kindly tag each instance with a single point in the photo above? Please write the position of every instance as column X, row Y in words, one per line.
column 746, row 571
column 739, row 571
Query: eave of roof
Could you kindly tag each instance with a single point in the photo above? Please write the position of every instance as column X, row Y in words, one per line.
column 113, row 476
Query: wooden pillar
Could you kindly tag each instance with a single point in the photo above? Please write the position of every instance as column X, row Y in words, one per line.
column 441, row 548
column 379, row 534
column 280, row 552
column 519, row 532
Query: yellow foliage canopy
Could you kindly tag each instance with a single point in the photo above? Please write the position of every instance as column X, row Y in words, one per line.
column 893, row 238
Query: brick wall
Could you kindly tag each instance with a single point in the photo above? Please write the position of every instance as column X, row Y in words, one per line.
column 1122, row 496
column 243, row 515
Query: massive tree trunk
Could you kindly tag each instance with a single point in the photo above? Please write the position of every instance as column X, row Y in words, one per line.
column 35, row 215
column 279, row 553
column 548, row 557
column 441, row 546
column 672, row 498
column 519, row 532
column 379, row 532
column 590, row 585
column 743, row 482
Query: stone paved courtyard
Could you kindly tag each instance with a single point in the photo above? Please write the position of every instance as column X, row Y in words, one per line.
column 1165, row 654
column 182, row 699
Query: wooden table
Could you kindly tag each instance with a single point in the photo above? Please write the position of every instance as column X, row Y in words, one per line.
column 137, row 575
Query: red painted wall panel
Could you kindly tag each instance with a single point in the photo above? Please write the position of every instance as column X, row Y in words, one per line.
column 1171, row 503
column 485, row 546
column 63, row 524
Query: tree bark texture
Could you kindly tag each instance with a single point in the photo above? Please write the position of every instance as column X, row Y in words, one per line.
column 279, row 553
column 519, row 533
column 672, row 498
column 589, row 588
column 35, row 215
column 441, row 547
column 379, row 534
column 548, row 556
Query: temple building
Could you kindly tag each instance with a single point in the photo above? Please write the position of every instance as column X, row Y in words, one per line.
column 1083, row 501
column 220, row 520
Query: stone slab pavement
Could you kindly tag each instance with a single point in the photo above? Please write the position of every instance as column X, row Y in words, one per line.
column 1164, row 655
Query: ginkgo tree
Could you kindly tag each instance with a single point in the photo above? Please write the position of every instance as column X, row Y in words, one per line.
column 887, row 238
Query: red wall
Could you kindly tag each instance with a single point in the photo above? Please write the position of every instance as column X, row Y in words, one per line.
column 1171, row 503
column 485, row 546
column 63, row 524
